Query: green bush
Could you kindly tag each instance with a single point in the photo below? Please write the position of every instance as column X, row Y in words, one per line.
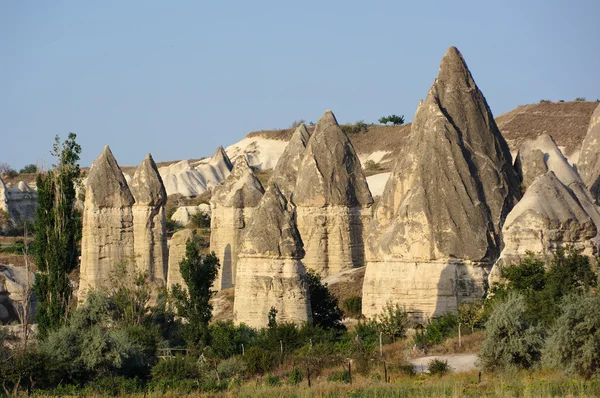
column 259, row 360
column 232, row 367
column 580, row 99
column 29, row 169
column 573, row 344
column 394, row 119
column 295, row 376
column 371, row 165
column 272, row 380
column 353, row 306
column 510, row 340
column 200, row 220
column 342, row 376
column 393, row 321
column 324, row 305
column 226, row 339
column 178, row 368
column 437, row 367
column 437, row 330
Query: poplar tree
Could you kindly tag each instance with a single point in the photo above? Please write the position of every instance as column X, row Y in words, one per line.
column 57, row 226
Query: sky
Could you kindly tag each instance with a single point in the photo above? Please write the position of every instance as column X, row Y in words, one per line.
column 179, row 78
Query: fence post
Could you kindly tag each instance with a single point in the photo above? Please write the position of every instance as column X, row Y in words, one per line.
column 350, row 371
column 385, row 372
column 381, row 344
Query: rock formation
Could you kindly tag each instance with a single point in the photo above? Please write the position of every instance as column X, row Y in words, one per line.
column 19, row 201
column 232, row 205
column 176, row 254
column 286, row 170
column 107, row 224
column 437, row 229
column 270, row 272
column 589, row 159
column 333, row 200
column 184, row 214
column 549, row 217
column 149, row 221
column 13, row 286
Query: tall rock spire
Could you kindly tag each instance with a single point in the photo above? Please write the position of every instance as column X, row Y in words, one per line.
column 232, row 203
column 438, row 224
column 270, row 273
column 286, row 170
column 107, row 235
column 149, row 221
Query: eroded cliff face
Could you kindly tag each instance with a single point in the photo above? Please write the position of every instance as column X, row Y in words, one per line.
column 149, row 222
column 232, row 204
column 285, row 172
column 549, row 217
column 270, row 272
column 107, row 236
column 332, row 199
column 437, row 230
column 589, row 159
column 176, row 254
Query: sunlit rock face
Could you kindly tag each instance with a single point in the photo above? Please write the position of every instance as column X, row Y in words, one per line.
column 285, row 172
column 333, row 200
column 149, row 221
column 107, row 235
column 232, row 204
column 270, row 272
column 437, row 229
column 589, row 159
column 177, row 246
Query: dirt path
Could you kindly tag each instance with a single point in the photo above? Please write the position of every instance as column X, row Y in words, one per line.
column 458, row 363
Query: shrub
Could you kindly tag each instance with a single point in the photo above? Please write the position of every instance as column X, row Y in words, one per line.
column 200, row 220
column 273, row 380
column 342, row 376
column 259, row 360
column 437, row 330
column 580, row 99
column 394, row 119
column 295, row 376
column 173, row 226
column 545, row 101
column 226, row 339
column 574, row 341
column 296, row 123
column 324, row 305
column 510, row 340
column 29, row 169
column 469, row 314
column 178, row 368
column 437, row 367
column 393, row 321
column 232, row 367
column 371, row 165
column 353, row 306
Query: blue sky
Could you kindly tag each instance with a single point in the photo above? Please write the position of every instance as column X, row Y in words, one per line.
column 179, row 78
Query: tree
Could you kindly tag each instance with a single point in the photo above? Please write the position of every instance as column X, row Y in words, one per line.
column 7, row 170
column 193, row 303
column 574, row 341
column 469, row 314
column 29, row 169
column 56, row 227
column 510, row 340
column 393, row 321
column 394, row 119
column 325, row 310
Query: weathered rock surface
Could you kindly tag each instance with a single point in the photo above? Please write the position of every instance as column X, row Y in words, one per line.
column 176, row 254
column 286, row 170
column 19, row 201
column 13, row 287
column 232, row 205
column 589, row 160
column 270, row 272
column 332, row 199
column 149, row 221
column 436, row 230
column 184, row 214
column 107, row 224
column 549, row 217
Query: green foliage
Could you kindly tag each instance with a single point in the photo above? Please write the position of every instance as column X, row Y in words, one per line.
column 173, row 226
column 193, row 303
column 371, row 165
column 510, row 340
column 15, row 248
column 295, row 376
column 272, row 318
column 226, row 339
column 296, row 123
column 353, row 306
column 29, row 169
column 437, row 367
column 259, row 360
column 573, row 344
column 470, row 313
column 437, row 330
column 5, row 221
column 545, row 101
column 324, row 305
column 393, row 321
column 582, row 99
column 273, row 380
column 200, row 220
column 56, row 228
column 342, row 376
column 233, row 367
column 394, row 119
column 177, row 368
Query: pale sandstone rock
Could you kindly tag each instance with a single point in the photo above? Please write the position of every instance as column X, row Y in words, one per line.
column 286, row 170
column 107, row 224
column 20, row 201
column 149, row 220
column 270, row 272
column 549, row 217
column 13, row 286
column 589, row 159
column 183, row 214
column 176, row 254
column 332, row 199
column 437, row 229
column 232, row 205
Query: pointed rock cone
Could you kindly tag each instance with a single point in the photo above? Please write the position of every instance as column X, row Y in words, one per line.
column 107, row 235
column 589, row 159
column 332, row 199
column 286, row 170
column 439, row 219
column 270, row 273
column 232, row 204
column 549, row 217
column 221, row 159
column 149, row 221
column 176, row 254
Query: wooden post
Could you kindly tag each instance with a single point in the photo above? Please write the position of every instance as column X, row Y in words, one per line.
column 243, row 352
column 350, row 371
column 281, row 350
column 385, row 372
column 381, row 344
column 308, row 375
column 459, row 336
column 479, row 378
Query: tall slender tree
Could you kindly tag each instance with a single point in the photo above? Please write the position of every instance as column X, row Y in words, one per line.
column 56, row 230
